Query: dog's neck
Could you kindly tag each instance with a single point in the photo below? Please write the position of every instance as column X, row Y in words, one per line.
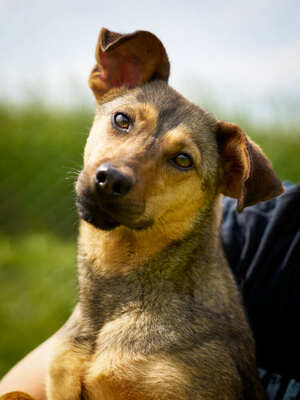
column 143, row 266
column 124, row 250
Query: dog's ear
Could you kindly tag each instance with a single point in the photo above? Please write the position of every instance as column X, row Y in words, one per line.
column 247, row 174
column 127, row 60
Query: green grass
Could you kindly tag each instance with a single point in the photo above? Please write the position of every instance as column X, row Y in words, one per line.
column 38, row 291
column 41, row 150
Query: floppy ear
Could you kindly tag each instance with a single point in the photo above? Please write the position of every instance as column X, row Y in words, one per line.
column 130, row 60
column 247, row 174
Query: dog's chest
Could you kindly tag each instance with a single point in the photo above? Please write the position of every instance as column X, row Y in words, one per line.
column 112, row 376
column 125, row 363
column 120, row 367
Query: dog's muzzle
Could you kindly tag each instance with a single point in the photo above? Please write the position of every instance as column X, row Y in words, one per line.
column 109, row 201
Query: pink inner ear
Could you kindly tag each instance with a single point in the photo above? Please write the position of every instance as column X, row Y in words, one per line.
column 118, row 72
column 128, row 75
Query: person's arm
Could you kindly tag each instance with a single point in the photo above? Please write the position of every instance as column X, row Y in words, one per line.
column 29, row 375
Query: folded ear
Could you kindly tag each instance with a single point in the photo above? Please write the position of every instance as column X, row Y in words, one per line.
column 130, row 60
column 247, row 174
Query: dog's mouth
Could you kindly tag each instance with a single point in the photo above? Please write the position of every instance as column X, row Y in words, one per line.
column 108, row 216
column 92, row 213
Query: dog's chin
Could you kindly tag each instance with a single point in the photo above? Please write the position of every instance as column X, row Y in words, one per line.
column 101, row 222
column 100, row 219
column 95, row 216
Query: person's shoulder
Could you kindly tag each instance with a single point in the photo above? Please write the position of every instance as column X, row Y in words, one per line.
column 245, row 235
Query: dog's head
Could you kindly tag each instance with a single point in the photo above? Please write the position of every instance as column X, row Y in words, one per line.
column 152, row 156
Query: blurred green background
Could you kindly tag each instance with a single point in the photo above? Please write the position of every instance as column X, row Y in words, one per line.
column 41, row 152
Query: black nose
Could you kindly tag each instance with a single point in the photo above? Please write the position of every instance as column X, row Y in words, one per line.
column 111, row 181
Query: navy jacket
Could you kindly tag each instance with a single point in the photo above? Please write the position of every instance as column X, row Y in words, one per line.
column 262, row 245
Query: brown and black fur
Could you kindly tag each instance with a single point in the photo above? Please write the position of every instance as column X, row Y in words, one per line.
column 159, row 316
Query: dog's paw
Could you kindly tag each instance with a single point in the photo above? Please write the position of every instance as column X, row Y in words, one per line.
column 16, row 396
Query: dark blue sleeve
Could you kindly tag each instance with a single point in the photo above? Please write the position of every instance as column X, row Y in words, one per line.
column 262, row 245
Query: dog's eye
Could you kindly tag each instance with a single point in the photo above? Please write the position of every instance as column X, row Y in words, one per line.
column 121, row 121
column 183, row 161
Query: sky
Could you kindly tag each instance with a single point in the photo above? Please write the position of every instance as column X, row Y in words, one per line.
column 242, row 55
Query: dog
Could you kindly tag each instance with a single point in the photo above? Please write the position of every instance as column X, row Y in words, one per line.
column 159, row 315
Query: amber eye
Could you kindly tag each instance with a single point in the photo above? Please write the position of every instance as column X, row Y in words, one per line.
column 121, row 121
column 183, row 161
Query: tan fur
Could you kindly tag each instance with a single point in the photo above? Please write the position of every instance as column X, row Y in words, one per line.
column 125, row 248
column 136, row 378
column 174, row 215
column 67, row 371
column 159, row 316
column 180, row 140
column 145, row 119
